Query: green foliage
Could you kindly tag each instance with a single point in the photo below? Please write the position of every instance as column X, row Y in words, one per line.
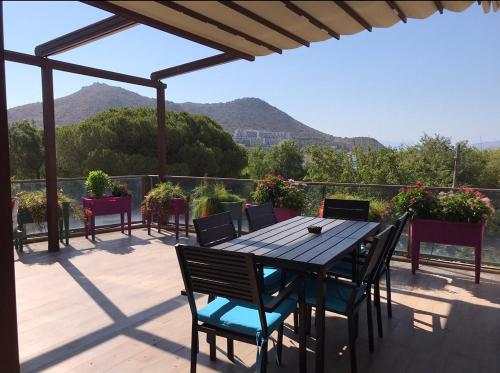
column 26, row 150
column 286, row 159
column 465, row 205
column 258, row 165
column 379, row 209
column 207, row 198
column 119, row 189
column 35, row 204
column 158, row 199
column 124, row 142
column 96, row 183
column 327, row 164
column 280, row 192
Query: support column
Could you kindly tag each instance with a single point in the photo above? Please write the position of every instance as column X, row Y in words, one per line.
column 9, row 350
column 49, row 136
column 160, row 115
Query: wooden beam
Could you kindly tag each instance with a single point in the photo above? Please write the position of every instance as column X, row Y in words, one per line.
column 84, row 35
column 220, row 25
column 160, row 118
column 314, row 21
column 397, row 10
column 151, row 22
column 346, row 8
column 255, row 17
column 77, row 69
column 439, row 6
column 9, row 348
column 193, row 66
column 49, row 141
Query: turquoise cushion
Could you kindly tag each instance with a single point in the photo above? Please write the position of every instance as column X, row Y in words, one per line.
column 272, row 279
column 337, row 295
column 243, row 317
column 342, row 269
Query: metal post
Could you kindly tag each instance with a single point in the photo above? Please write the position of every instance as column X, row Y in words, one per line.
column 9, row 350
column 160, row 115
column 49, row 133
column 456, row 166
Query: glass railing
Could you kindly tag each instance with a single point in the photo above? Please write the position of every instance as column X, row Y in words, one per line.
column 139, row 185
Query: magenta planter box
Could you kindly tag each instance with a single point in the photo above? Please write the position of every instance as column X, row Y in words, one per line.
column 446, row 233
column 107, row 206
column 177, row 207
column 282, row 213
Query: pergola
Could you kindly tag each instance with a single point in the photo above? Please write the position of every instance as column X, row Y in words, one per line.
column 240, row 30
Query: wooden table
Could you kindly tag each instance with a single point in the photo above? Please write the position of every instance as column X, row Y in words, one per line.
column 289, row 245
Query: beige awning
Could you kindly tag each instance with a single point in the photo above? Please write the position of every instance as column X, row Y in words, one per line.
column 259, row 28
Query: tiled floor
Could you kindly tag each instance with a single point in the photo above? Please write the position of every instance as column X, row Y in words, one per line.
column 116, row 307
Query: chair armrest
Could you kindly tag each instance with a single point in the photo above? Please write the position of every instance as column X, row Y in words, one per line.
column 284, row 293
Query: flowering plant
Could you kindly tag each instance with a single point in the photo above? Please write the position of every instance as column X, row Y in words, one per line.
column 463, row 205
column 281, row 192
column 158, row 199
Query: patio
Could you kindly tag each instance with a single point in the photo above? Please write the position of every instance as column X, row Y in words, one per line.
column 115, row 306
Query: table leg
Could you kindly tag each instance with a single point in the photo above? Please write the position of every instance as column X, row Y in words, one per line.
column 149, row 217
column 302, row 333
column 177, row 226
column 320, row 323
column 129, row 221
column 122, row 215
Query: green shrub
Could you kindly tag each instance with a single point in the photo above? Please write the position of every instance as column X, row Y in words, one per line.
column 119, row 190
column 158, row 199
column 207, row 198
column 96, row 183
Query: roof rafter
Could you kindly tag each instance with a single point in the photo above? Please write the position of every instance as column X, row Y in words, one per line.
column 84, row 35
column 346, row 8
column 203, row 63
column 397, row 10
column 151, row 22
column 439, row 6
column 263, row 21
column 220, row 25
column 299, row 11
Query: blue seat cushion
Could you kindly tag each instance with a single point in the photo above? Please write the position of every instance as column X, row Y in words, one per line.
column 338, row 296
column 272, row 279
column 243, row 317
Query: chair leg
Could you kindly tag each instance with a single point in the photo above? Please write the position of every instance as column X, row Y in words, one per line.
column 370, row 321
column 295, row 322
column 308, row 319
column 351, row 323
column 230, row 349
column 279, row 347
column 263, row 360
column 388, row 290
column 356, row 324
column 213, row 346
column 194, row 348
column 379, row 310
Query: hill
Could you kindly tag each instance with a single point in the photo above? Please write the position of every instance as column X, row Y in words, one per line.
column 244, row 113
column 488, row 145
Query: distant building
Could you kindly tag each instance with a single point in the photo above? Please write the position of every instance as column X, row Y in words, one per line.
column 253, row 137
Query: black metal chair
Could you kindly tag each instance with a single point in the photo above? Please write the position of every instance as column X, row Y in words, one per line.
column 344, row 270
column 346, row 297
column 240, row 310
column 260, row 216
column 214, row 229
column 346, row 209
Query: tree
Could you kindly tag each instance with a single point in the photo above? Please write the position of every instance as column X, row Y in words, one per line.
column 258, row 166
column 326, row 164
column 286, row 159
column 26, row 150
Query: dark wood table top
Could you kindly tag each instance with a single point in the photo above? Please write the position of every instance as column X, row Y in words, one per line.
column 289, row 244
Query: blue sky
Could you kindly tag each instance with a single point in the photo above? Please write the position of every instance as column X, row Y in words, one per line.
column 439, row 75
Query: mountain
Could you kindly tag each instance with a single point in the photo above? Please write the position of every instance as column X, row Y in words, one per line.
column 244, row 113
column 488, row 145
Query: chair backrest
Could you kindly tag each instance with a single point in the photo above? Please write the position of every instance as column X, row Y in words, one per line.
column 346, row 209
column 220, row 273
column 376, row 255
column 400, row 225
column 214, row 229
column 260, row 216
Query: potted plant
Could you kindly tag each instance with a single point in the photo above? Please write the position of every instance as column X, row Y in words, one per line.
column 286, row 195
column 97, row 203
column 33, row 209
column 164, row 200
column 457, row 217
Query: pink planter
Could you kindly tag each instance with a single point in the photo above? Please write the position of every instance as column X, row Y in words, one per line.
column 446, row 233
column 177, row 207
column 107, row 206
column 282, row 213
